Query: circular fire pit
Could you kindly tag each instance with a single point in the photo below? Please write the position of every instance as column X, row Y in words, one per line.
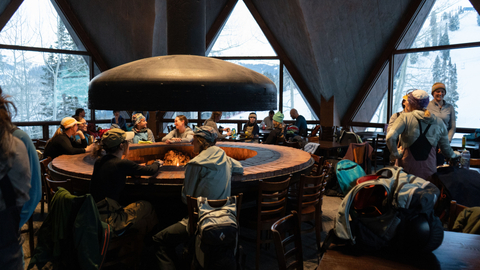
column 259, row 161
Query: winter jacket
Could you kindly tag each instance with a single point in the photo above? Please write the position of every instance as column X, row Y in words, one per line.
column 72, row 236
column 407, row 126
column 35, row 192
column 209, row 174
column 144, row 135
column 468, row 221
column 213, row 124
column 186, row 136
column 63, row 145
column 446, row 113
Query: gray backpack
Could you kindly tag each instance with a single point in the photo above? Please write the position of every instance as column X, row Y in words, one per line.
column 217, row 235
column 394, row 212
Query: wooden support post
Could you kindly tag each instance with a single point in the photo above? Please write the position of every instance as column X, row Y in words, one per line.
column 328, row 113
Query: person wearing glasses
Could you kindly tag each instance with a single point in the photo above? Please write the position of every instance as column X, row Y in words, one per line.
column 82, row 129
column 63, row 142
column 251, row 129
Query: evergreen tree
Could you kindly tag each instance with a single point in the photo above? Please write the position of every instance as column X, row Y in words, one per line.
column 437, row 70
column 454, row 23
column 478, row 20
column 413, row 58
column 427, row 44
column 444, row 40
column 65, row 78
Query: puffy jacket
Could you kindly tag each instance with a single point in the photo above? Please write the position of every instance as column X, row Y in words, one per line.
column 407, row 126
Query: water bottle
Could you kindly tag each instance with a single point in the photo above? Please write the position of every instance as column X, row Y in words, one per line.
column 464, row 141
column 234, row 132
column 465, row 159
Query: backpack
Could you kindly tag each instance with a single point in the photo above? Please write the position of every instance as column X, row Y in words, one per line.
column 347, row 173
column 392, row 211
column 217, row 235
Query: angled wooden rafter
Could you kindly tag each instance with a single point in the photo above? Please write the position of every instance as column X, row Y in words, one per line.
column 82, row 34
column 294, row 73
column 218, row 24
column 10, row 9
column 383, row 61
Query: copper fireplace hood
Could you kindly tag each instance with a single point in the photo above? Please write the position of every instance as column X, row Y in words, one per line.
column 182, row 80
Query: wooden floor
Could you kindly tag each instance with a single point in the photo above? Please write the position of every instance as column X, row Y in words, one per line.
column 268, row 258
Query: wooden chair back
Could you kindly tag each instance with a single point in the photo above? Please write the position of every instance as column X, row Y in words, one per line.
column 455, row 209
column 53, row 185
column 475, row 162
column 306, row 198
column 315, row 131
column 271, row 202
column 317, row 168
column 288, row 248
column 44, row 172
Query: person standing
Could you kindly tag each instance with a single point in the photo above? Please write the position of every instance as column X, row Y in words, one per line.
column 15, row 179
column 300, row 122
column 267, row 122
column 80, row 113
column 443, row 110
column 208, row 175
column 420, row 132
column 397, row 114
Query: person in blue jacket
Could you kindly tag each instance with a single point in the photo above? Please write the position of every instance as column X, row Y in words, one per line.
column 300, row 122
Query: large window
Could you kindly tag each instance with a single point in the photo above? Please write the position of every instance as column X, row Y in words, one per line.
column 45, row 81
column 449, row 22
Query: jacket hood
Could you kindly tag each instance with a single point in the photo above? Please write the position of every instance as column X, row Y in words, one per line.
column 212, row 158
column 421, row 115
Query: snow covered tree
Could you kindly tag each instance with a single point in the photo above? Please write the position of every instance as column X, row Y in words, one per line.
column 434, row 28
column 454, row 23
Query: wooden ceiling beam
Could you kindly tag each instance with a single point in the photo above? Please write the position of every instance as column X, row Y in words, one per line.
column 218, row 24
column 294, row 73
column 82, row 34
column 10, row 9
column 382, row 63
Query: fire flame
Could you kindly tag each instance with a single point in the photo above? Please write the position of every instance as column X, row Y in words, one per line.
column 174, row 157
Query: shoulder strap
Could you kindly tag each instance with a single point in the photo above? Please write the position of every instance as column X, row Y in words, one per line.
column 398, row 114
column 420, row 125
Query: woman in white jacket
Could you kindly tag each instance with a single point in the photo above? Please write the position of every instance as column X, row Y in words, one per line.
column 420, row 132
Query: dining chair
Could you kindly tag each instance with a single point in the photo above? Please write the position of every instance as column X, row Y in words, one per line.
column 317, row 165
column 379, row 147
column 53, row 185
column 288, row 242
column 44, row 171
column 271, row 206
column 192, row 207
column 306, row 197
column 455, row 210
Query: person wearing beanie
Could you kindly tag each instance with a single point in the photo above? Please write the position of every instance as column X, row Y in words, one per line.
column 300, row 122
column 445, row 111
column 108, row 181
column 251, row 129
column 397, row 114
column 420, row 133
column 63, row 141
column 441, row 109
column 142, row 133
column 208, row 175
column 278, row 129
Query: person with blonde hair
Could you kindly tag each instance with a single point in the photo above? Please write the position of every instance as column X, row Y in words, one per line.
column 63, row 141
column 420, row 132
